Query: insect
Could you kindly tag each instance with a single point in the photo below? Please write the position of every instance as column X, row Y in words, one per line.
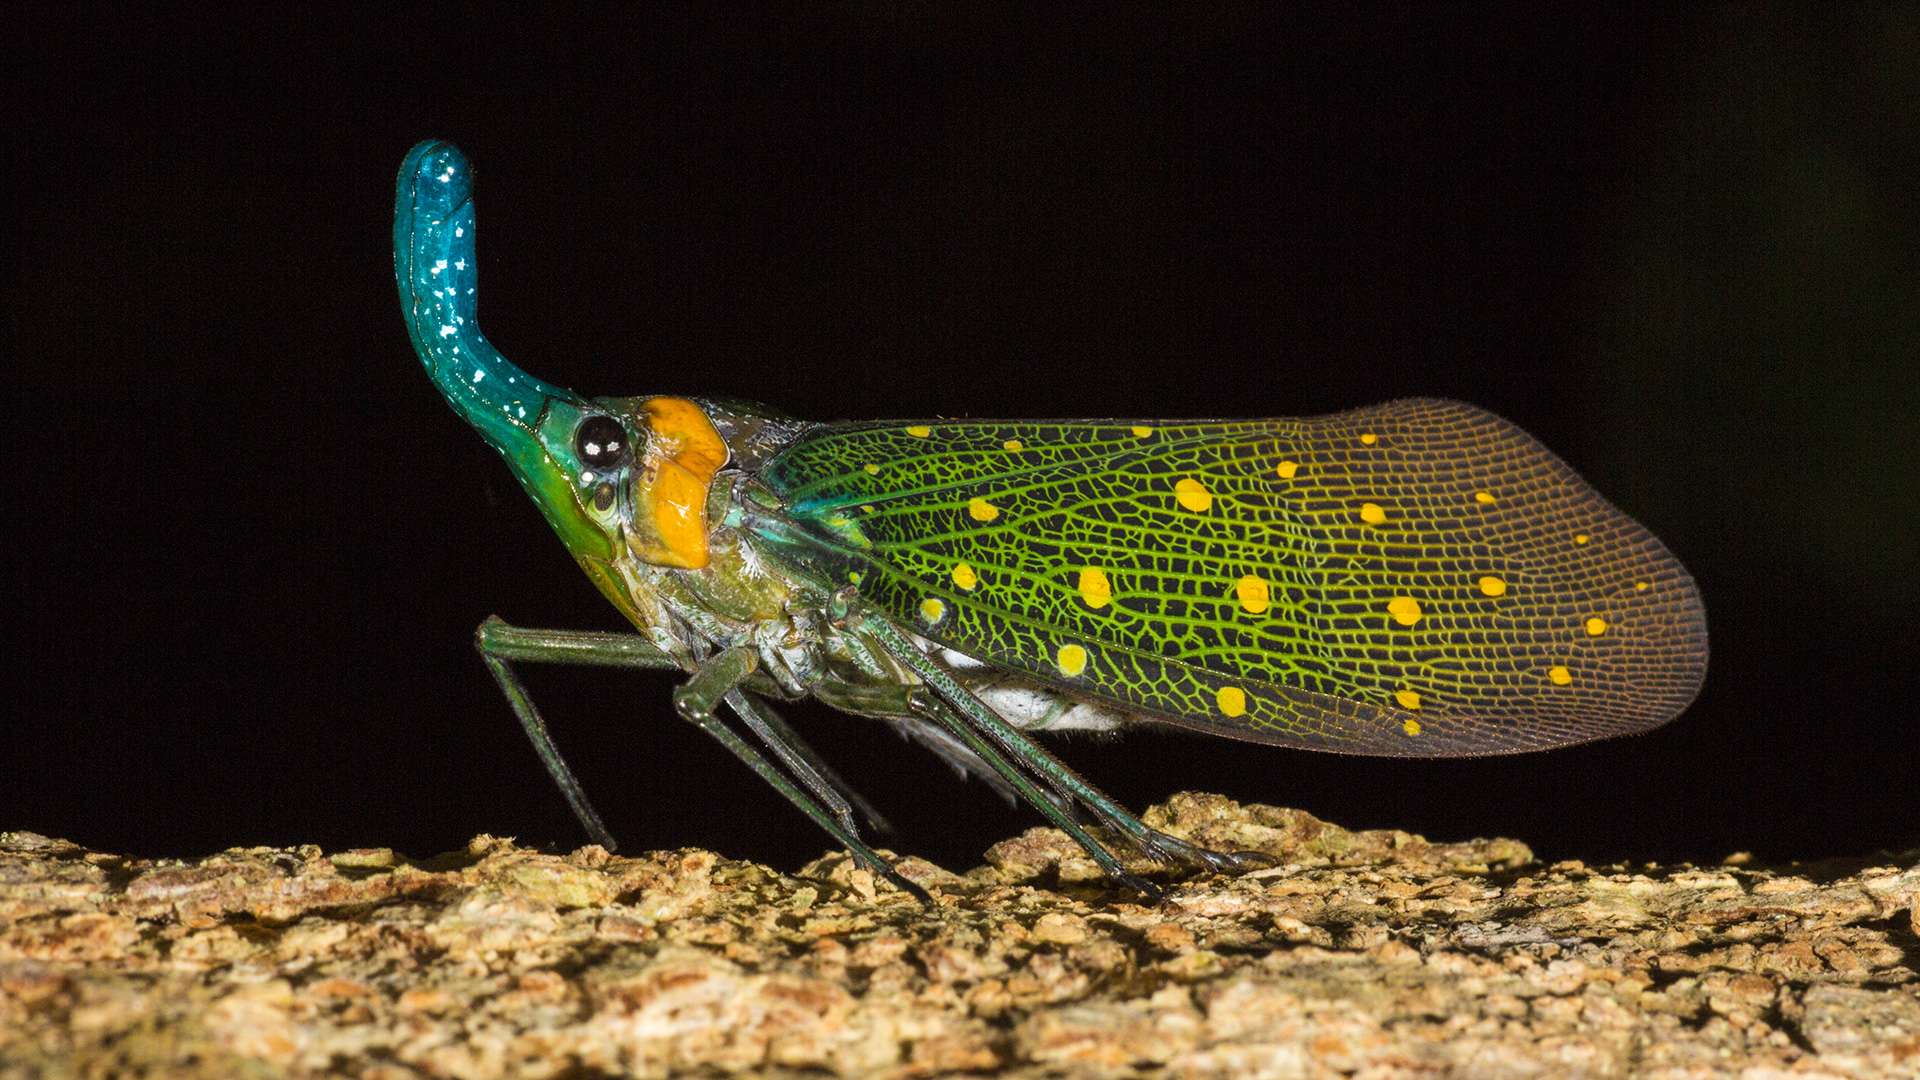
column 1415, row 579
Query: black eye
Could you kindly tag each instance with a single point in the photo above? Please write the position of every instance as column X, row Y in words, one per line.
column 602, row 442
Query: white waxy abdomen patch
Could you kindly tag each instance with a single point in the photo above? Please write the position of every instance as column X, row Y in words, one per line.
column 1032, row 708
column 1025, row 705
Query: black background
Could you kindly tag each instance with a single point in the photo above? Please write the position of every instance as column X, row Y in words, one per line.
column 247, row 541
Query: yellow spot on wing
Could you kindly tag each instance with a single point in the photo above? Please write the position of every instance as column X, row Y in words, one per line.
column 1286, row 469
column 1493, row 586
column 1192, row 494
column 1014, row 444
column 1410, row 726
column 1368, row 438
column 1095, row 589
column 1643, row 586
column 1559, row 675
column 1141, row 431
column 1071, row 660
column 1254, row 595
column 1372, row 514
column 1596, row 626
column 964, row 576
column 1407, row 699
column 1232, row 700
column 919, row 431
column 1404, row 609
column 1483, row 497
column 1581, row 538
column 981, row 510
column 932, row 608
column 871, row 470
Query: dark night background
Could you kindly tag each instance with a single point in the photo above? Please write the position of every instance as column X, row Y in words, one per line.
column 248, row 542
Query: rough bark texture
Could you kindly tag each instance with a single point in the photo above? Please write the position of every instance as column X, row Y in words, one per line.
column 1375, row 954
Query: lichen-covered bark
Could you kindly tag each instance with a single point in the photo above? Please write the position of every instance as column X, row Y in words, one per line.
column 1373, row 953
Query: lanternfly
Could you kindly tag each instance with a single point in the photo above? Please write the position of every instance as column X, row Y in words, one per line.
column 1416, row 579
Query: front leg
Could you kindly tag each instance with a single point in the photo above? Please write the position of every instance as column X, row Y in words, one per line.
column 726, row 676
column 500, row 643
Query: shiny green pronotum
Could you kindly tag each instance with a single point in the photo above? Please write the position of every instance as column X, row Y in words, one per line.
column 1415, row 579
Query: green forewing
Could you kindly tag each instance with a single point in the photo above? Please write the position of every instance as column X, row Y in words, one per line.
column 1416, row 578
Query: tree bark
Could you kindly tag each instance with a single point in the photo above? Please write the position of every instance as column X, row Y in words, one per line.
column 1362, row 953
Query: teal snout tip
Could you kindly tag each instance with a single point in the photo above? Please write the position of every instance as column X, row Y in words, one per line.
column 438, row 175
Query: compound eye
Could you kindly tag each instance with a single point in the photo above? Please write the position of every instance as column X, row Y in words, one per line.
column 601, row 442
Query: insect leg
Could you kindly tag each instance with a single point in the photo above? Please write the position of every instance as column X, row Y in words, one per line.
column 804, row 762
column 500, row 643
column 715, row 678
column 1041, row 800
column 497, row 638
column 1056, row 773
column 1071, row 786
column 865, row 855
column 719, row 679
column 895, row 705
column 536, row 730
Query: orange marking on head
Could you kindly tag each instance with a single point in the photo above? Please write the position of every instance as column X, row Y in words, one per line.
column 683, row 454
